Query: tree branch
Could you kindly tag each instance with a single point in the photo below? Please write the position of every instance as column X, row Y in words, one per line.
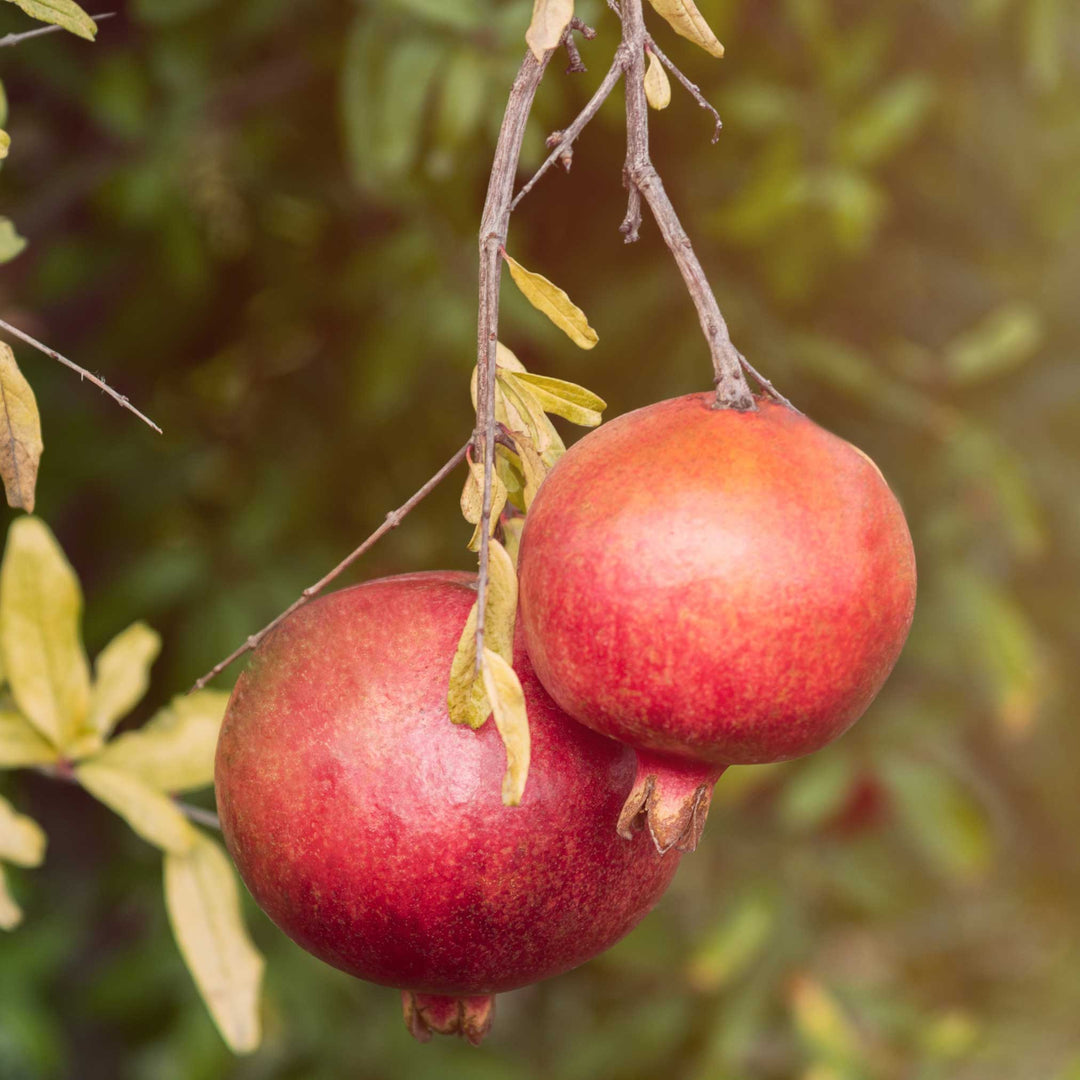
column 392, row 521
column 693, row 89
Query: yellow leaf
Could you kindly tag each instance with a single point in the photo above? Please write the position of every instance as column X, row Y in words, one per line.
column 121, row 675
column 565, row 399
column 63, row 13
column 20, row 433
column 5, row 144
column 20, row 744
column 657, row 84
column 40, row 606
column 512, row 529
column 151, row 814
column 506, row 359
column 508, row 707
column 174, row 750
column 10, row 912
column 22, row 840
column 534, row 422
column 204, row 910
column 685, row 19
column 466, row 700
column 472, row 500
column 533, row 468
column 554, row 303
column 549, row 21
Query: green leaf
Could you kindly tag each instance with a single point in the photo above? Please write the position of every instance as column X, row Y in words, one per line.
column 121, row 675
column 549, row 20
column 686, row 20
column 20, row 744
column 817, row 791
column 565, row 399
column 733, row 946
column 40, row 608
column 822, row 1024
column 881, row 127
column 203, row 902
column 10, row 912
column 63, row 13
column 11, row 243
column 20, row 433
column 174, row 751
column 1008, row 337
column 151, row 814
column 554, row 303
column 22, row 840
column 508, row 707
column 465, row 16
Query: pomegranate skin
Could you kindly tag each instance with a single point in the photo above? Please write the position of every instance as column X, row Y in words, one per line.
column 728, row 587
column 371, row 830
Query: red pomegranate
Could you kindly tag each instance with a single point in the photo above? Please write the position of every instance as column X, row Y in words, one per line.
column 372, row 831
column 713, row 587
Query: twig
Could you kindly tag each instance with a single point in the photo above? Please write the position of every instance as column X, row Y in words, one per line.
column 392, row 521
column 693, row 89
column 14, row 39
column 83, row 373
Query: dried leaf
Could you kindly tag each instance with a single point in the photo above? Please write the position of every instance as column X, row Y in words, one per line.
column 20, row 744
column 20, row 433
column 10, row 912
column 63, row 13
column 685, row 19
column 151, row 814
column 203, row 902
column 174, row 751
column 40, row 606
column 565, row 399
column 554, row 303
column 22, row 840
column 121, row 675
column 508, row 707
column 657, row 84
column 549, row 21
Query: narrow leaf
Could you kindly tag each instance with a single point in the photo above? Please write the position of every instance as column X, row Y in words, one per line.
column 466, row 699
column 121, row 675
column 22, row 840
column 657, row 84
column 549, row 21
column 10, row 912
column 685, row 19
column 508, row 707
column 63, row 13
column 20, row 744
column 40, row 606
column 554, row 303
column 565, row 399
column 532, row 467
column 512, row 529
column 151, row 814
column 534, row 421
column 20, row 433
column 204, row 910
column 174, row 751
column 506, row 359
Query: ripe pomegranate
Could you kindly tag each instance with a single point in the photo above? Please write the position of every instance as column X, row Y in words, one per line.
column 713, row 587
column 372, row 831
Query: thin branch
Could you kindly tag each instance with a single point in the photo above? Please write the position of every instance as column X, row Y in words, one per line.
column 693, row 89
column 83, row 373
column 14, row 39
column 392, row 521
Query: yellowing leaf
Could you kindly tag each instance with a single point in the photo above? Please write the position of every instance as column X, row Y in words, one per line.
column 20, row 744
column 512, row 529
column 121, row 675
column 11, row 243
column 40, row 606
column 685, row 19
column 204, row 910
column 472, row 500
column 554, row 303
column 657, row 84
column 174, row 751
column 20, row 433
column 63, row 13
column 10, row 912
column 549, row 21
column 533, row 420
column 508, row 707
column 22, row 840
column 5, row 144
column 151, row 814
column 532, row 467
column 506, row 359
column 565, row 399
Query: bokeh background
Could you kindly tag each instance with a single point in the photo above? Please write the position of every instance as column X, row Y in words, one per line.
column 258, row 219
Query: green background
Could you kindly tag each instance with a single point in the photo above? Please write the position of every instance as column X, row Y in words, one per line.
column 258, row 218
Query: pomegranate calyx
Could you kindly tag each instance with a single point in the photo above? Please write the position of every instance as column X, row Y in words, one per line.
column 428, row 1014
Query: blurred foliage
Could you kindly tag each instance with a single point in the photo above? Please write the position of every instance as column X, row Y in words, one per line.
column 258, row 220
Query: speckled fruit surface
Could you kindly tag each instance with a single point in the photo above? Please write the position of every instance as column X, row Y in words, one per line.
column 728, row 587
column 371, row 829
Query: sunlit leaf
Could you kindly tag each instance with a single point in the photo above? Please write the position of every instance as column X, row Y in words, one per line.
column 151, row 814
column 565, row 399
column 63, row 13
column 685, row 19
column 10, row 912
column 657, row 84
column 549, row 21
column 508, row 707
column 203, row 902
column 121, row 675
column 22, row 840
column 20, row 433
column 174, row 750
column 40, row 608
column 20, row 743
column 11, row 243
column 554, row 303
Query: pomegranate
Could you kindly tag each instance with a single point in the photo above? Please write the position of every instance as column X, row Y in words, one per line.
column 713, row 587
column 372, row 831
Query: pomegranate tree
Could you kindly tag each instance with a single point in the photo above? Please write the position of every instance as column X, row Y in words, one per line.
column 372, row 831
column 713, row 587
